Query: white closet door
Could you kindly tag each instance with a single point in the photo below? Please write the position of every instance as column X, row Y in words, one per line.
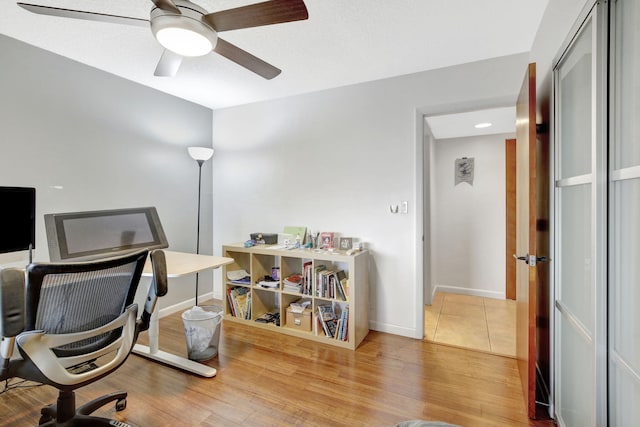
column 624, row 215
column 580, row 292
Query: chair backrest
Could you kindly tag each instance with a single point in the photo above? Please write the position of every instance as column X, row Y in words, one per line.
column 77, row 297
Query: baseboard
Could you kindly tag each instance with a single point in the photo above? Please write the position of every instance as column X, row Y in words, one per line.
column 395, row 330
column 184, row 305
column 467, row 291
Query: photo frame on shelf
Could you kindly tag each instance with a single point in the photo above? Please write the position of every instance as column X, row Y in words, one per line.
column 345, row 243
column 326, row 240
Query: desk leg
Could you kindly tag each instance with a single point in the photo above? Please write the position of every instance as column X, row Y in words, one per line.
column 153, row 352
column 154, row 331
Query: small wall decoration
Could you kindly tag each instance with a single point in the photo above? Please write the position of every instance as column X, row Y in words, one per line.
column 464, row 170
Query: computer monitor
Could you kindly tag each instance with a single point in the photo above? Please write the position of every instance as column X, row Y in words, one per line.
column 99, row 234
column 17, row 219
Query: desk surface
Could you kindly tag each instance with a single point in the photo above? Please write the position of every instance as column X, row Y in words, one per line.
column 182, row 263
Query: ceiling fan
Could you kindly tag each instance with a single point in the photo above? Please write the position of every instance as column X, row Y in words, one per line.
column 185, row 29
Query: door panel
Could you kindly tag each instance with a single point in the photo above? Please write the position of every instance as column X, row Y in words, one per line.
column 526, row 224
column 580, row 213
column 576, row 272
column 575, row 107
column 624, row 226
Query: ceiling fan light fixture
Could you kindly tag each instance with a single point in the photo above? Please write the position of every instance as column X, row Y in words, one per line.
column 185, row 34
column 184, row 41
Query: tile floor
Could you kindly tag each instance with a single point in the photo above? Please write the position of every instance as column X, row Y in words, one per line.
column 478, row 323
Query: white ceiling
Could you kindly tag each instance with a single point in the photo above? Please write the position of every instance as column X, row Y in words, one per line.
column 343, row 42
column 503, row 120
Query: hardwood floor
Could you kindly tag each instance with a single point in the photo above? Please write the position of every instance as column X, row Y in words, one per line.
column 268, row 379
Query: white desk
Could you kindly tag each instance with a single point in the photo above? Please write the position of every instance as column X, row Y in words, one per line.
column 178, row 264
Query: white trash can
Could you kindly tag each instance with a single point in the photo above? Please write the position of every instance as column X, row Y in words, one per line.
column 202, row 331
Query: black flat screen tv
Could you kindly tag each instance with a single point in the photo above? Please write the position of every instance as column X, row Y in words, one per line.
column 17, row 219
column 99, row 234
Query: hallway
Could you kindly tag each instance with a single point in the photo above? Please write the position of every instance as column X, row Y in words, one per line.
column 472, row 322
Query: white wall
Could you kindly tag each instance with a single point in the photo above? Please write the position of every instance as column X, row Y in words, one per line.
column 109, row 143
column 336, row 159
column 468, row 221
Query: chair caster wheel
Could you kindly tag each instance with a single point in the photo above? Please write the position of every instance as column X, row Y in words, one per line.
column 121, row 404
column 44, row 419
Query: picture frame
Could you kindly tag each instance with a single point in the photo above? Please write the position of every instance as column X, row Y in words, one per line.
column 296, row 231
column 345, row 243
column 326, row 240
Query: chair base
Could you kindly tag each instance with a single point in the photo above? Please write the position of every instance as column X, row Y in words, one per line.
column 63, row 412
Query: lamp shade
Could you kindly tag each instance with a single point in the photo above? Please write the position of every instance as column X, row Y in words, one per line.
column 200, row 153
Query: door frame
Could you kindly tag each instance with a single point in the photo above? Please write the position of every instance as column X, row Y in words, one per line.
column 424, row 285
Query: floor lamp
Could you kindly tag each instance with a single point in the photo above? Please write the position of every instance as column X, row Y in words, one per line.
column 200, row 155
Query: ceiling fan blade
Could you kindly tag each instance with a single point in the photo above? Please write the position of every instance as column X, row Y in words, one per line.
column 87, row 16
column 245, row 59
column 168, row 64
column 167, row 5
column 256, row 15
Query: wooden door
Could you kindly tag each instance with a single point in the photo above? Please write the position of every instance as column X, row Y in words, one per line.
column 526, row 273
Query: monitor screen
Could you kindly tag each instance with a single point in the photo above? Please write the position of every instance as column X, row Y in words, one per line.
column 97, row 234
column 17, row 218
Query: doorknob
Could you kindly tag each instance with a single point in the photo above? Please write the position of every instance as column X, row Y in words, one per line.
column 524, row 258
column 531, row 260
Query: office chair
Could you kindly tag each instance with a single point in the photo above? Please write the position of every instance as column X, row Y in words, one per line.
column 75, row 324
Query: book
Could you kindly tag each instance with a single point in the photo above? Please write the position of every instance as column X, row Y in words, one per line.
column 322, row 283
column 239, row 277
column 294, row 279
column 306, row 278
column 344, row 324
column 340, row 282
column 318, row 277
column 232, row 307
column 240, row 302
column 338, row 328
column 292, row 284
column 247, row 313
column 328, row 320
column 331, row 327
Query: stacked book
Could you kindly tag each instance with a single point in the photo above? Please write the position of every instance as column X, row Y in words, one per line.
column 239, row 277
column 292, row 284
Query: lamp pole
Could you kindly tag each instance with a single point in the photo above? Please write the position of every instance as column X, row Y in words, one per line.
column 200, row 155
column 200, row 163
